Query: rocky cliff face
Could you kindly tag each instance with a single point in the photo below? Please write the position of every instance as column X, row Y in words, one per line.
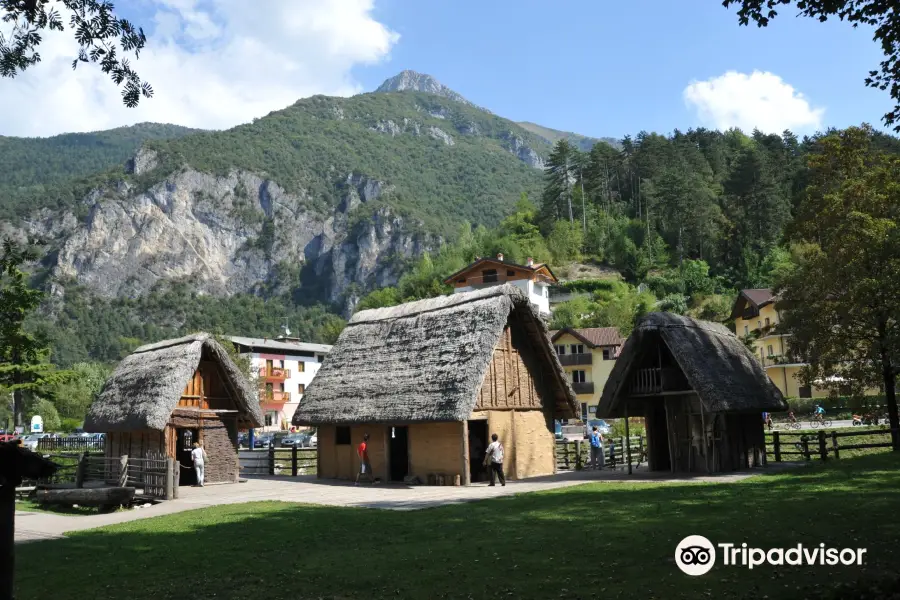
column 420, row 82
column 226, row 234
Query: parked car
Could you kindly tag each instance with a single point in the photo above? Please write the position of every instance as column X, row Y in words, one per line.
column 314, row 441
column 300, row 440
column 31, row 441
column 7, row 437
column 601, row 425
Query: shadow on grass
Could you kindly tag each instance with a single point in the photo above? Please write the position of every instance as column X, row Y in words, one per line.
column 598, row 539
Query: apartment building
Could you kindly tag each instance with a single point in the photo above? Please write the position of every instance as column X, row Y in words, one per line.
column 587, row 356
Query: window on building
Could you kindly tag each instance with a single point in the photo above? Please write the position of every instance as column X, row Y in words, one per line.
column 759, row 324
column 301, row 366
column 510, row 273
column 746, row 330
column 460, row 281
column 301, row 389
column 578, row 376
column 320, row 357
column 577, row 348
column 805, row 391
column 609, row 354
column 561, row 350
column 342, row 436
column 770, row 350
column 489, row 276
column 269, row 366
column 271, row 418
column 767, row 321
column 187, row 439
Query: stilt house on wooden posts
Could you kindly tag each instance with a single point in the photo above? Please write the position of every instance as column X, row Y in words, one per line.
column 430, row 381
column 165, row 396
column 700, row 390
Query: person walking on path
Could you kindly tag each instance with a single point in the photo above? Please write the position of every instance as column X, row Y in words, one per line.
column 365, row 468
column 493, row 457
column 199, row 458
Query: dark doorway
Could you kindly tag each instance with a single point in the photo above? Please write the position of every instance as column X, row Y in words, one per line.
column 398, row 451
column 184, row 444
column 658, row 436
column 478, row 443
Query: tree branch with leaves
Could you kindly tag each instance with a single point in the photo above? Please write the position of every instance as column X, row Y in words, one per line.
column 102, row 38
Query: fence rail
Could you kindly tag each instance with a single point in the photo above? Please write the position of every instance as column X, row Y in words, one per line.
column 291, row 461
column 790, row 443
column 575, row 455
column 54, row 444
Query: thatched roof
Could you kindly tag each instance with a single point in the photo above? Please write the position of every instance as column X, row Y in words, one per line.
column 425, row 360
column 717, row 365
column 146, row 386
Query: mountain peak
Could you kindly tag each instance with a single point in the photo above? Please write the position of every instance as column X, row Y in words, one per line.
column 420, row 82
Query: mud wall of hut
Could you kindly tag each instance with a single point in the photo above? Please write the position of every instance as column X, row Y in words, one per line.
column 135, row 444
column 218, row 435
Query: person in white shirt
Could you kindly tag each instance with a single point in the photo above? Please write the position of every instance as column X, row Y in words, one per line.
column 494, row 456
column 198, row 455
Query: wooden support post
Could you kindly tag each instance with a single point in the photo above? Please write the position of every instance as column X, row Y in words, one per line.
column 804, row 442
column 776, row 443
column 171, row 469
column 578, row 464
column 823, row 448
column 81, row 470
column 670, row 431
column 123, row 470
column 294, row 460
column 627, row 437
column 272, row 459
column 834, row 444
column 466, row 474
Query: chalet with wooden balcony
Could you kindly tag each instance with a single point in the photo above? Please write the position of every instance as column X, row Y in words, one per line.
column 532, row 278
column 588, row 356
column 700, row 390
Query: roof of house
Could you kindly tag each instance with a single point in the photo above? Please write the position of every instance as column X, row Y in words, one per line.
column 718, row 366
column 283, row 345
column 592, row 336
column 146, row 386
column 482, row 261
column 758, row 297
column 425, row 360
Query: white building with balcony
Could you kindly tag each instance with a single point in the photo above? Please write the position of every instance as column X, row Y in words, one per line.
column 284, row 368
column 533, row 278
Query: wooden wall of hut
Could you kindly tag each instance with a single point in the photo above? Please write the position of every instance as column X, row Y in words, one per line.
column 512, row 379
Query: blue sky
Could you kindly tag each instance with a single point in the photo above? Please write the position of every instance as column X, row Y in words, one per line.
column 596, row 67
column 607, row 68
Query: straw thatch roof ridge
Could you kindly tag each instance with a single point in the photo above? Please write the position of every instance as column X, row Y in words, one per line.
column 146, row 386
column 425, row 360
column 718, row 366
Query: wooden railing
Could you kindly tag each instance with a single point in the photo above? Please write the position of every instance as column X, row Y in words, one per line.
column 585, row 387
column 291, row 461
column 820, row 444
column 276, row 396
column 74, row 443
column 576, row 455
column 654, row 381
column 274, row 373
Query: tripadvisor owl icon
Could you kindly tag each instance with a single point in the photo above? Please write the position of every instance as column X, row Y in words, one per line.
column 695, row 555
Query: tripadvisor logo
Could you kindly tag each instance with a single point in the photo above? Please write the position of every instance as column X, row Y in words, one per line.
column 696, row 555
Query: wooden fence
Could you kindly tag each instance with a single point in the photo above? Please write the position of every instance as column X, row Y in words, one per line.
column 576, row 455
column 291, row 461
column 821, row 443
column 74, row 443
column 156, row 476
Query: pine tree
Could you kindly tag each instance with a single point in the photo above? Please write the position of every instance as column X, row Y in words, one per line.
column 560, row 174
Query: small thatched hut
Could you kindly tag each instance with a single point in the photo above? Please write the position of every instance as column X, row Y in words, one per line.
column 165, row 396
column 700, row 390
column 429, row 381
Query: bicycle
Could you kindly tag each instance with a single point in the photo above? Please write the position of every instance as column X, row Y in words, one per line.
column 816, row 421
column 792, row 425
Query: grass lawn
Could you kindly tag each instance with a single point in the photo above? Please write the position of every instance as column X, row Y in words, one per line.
column 610, row 540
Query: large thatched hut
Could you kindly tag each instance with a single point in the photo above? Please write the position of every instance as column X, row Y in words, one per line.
column 165, row 396
column 700, row 390
column 429, row 381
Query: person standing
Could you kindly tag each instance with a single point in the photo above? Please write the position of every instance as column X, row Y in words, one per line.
column 365, row 468
column 199, row 458
column 597, row 460
column 494, row 457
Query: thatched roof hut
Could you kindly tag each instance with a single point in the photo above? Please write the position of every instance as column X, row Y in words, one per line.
column 164, row 397
column 423, row 361
column 146, row 386
column 440, row 361
column 687, row 376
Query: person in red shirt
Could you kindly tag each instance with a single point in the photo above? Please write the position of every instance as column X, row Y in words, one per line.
column 365, row 468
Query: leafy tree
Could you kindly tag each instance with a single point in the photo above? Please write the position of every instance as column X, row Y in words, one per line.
column 840, row 299
column 389, row 296
column 674, row 303
column 564, row 242
column 23, row 358
column 101, row 36
column 47, row 411
column 73, row 397
column 880, row 15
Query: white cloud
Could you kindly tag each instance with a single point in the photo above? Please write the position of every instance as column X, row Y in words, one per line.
column 761, row 100
column 211, row 65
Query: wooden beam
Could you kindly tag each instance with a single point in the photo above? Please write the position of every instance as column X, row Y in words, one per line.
column 465, row 453
column 670, row 431
column 627, row 439
column 705, row 445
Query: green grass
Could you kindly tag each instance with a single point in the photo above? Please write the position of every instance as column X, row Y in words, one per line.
column 32, row 506
column 597, row 540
